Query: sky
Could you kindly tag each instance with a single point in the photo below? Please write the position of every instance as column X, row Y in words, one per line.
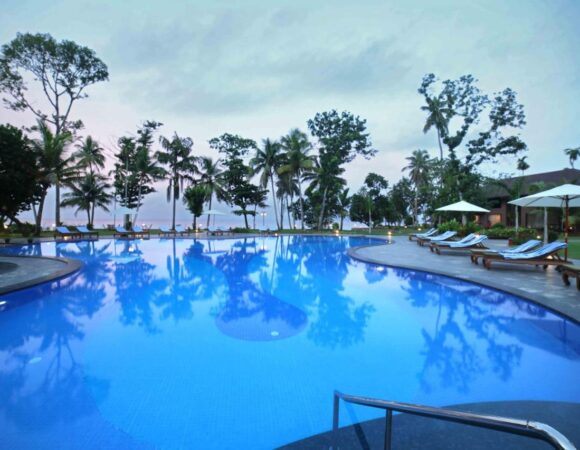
column 260, row 68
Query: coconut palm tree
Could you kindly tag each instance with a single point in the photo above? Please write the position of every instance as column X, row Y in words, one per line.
column 146, row 171
column 56, row 166
column 573, row 154
column 90, row 155
column 180, row 164
column 266, row 162
column 87, row 194
column 419, row 167
column 298, row 161
column 287, row 187
column 344, row 201
column 194, row 199
column 211, row 179
column 522, row 164
column 437, row 117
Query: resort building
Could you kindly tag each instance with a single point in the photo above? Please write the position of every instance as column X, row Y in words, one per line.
column 498, row 198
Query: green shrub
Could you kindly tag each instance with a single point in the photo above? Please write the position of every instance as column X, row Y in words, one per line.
column 498, row 226
column 243, row 230
column 523, row 234
column 462, row 230
column 26, row 229
column 552, row 235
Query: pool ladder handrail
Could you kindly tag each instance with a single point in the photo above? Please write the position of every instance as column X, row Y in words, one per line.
column 532, row 429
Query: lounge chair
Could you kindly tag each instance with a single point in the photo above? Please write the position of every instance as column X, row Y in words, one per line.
column 121, row 232
column 464, row 244
column 439, row 238
column 427, row 233
column 141, row 233
column 90, row 234
column 166, row 231
column 467, row 238
column 477, row 253
column 215, row 231
column 568, row 271
column 545, row 256
column 63, row 233
column 181, row 230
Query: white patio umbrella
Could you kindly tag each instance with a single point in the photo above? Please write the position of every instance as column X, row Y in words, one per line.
column 463, row 207
column 121, row 211
column 566, row 196
column 213, row 212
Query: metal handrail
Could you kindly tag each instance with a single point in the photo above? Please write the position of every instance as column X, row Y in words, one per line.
column 532, row 429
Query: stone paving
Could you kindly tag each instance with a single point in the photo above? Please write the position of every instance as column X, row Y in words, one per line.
column 26, row 271
column 544, row 287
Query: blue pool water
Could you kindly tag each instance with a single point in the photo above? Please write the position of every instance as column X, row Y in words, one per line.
column 240, row 343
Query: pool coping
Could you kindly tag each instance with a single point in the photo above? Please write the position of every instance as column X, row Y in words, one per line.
column 71, row 266
column 497, row 285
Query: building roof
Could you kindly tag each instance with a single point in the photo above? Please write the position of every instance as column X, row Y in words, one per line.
column 551, row 179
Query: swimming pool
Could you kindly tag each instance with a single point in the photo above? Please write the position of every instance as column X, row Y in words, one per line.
column 240, row 343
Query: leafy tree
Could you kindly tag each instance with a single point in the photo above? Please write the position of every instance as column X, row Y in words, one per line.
column 63, row 70
column 236, row 175
column 194, row 198
column 400, row 197
column 55, row 165
column 462, row 103
column 369, row 205
column 89, row 193
column 267, row 162
column 19, row 174
column 573, row 154
column 298, row 161
column 361, row 207
column 341, row 138
column 211, row 178
column 419, row 172
column 180, row 163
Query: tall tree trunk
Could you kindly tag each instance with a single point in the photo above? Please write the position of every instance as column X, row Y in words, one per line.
column 92, row 217
column 301, row 204
column 208, row 216
column 288, row 203
column 341, row 221
column 274, row 200
column 194, row 222
column 321, row 216
column 138, row 204
column 57, row 203
column 439, row 142
column 415, row 208
column 175, row 188
column 38, row 215
column 281, row 227
column 246, row 219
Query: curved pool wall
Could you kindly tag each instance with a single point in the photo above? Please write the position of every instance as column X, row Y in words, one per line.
column 239, row 343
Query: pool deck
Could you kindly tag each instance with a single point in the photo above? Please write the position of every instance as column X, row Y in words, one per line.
column 541, row 286
column 20, row 272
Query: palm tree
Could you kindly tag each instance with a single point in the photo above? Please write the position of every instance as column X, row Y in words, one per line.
column 266, row 162
column 523, row 165
column 55, row 165
column 89, row 155
column 287, row 188
column 89, row 193
column 194, row 198
column 146, row 171
column 438, row 118
column 211, row 179
column 298, row 161
column 181, row 164
column 344, row 201
column 573, row 154
column 418, row 167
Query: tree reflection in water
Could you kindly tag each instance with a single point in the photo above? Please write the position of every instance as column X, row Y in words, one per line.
column 472, row 333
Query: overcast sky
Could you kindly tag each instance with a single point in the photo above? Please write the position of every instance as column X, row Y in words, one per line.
column 260, row 68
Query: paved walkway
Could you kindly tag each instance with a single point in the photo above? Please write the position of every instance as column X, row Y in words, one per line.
column 544, row 287
column 18, row 272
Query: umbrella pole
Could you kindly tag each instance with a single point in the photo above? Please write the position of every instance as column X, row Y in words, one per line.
column 545, row 225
